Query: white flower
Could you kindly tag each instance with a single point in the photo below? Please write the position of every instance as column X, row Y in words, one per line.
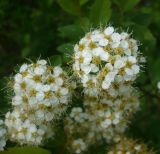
column 115, row 45
column 133, row 70
column 17, row 100
column 23, row 68
column 103, row 42
column 42, row 62
column 96, row 36
column 76, row 111
column 105, row 85
column 108, row 30
column 116, row 37
column 18, row 78
column 124, row 35
column 87, row 57
column 104, row 56
column 86, row 68
column 40, row 96
column 39, row 70
column 158, row 85
column 97, row 51
column 94, row 68
column 49, row 116
column 127, row 52
column 128, row 146
column 46, row 88
column 108, row 79
column 132, row 59
column 76, row 66
column 119, row 63
column 106, row 123
column 3, row 135
column 79, row 145
column 40, row 114
column 142, row 59
column 64, row 91
column 57, row 71
column 59, row 81
column 85, row 79
column 124, row 44
column 116, row 121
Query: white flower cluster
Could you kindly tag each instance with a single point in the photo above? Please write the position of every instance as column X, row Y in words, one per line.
column 129, row 146
column 106, row 56
column 107, row 63
column 79, row 145
column 103, row 118
column 2, row 135
column 42, row 94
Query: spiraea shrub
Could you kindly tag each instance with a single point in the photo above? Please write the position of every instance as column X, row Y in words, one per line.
column 94, row 99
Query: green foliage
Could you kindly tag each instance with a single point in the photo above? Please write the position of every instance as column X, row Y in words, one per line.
column 55, row 60
column 26, row 150
column 71, row 32
column 127, row 5
column 72, row 7
column 100, row 12
column 50, row 28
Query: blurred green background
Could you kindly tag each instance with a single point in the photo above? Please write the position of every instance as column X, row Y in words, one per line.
column 50, row 28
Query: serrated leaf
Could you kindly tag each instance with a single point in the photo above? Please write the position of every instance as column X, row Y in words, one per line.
column 100, row 12
column 25, row 150
column 71, row 6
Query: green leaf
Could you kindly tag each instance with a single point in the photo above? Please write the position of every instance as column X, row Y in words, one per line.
column 100, row 12
column 66, row 48
column 141, row 18
column 129, row 4
column 145, row 36
column 126, row 5
column 25, row 52
column 72, row 32
column 85, row 24
column 26, row 150
column 82, row 2
column 72, row 6
column 55, row 60
column 153, row 67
